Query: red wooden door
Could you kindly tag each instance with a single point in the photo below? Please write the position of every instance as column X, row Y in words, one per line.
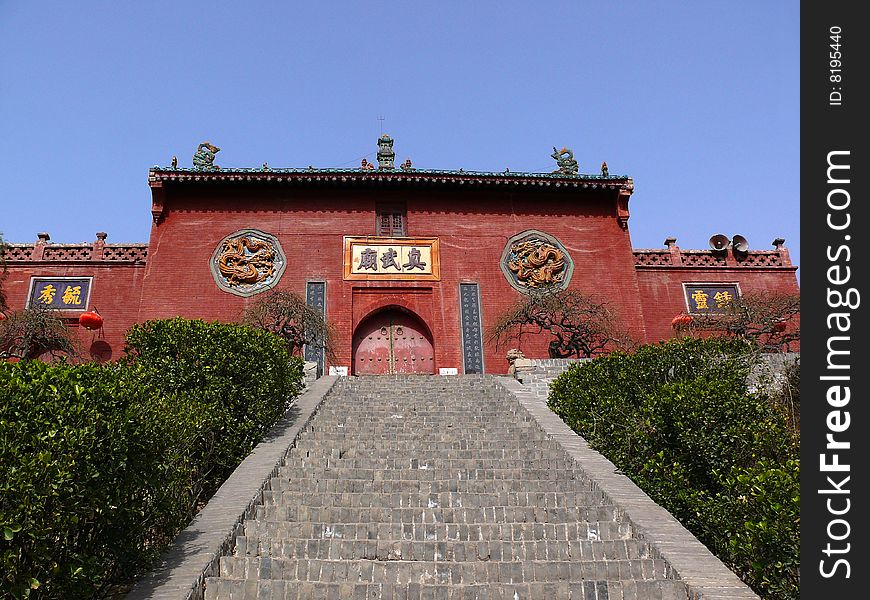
column 411, row 349
column 392, row 342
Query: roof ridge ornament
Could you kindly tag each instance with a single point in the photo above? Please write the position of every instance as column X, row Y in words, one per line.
column 386, row 156
column 565, row 160
column 204, row 157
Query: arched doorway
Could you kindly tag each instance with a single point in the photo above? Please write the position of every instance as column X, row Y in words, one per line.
column 392, row 341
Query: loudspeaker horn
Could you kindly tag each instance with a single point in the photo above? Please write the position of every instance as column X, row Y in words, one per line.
column 740, row 244
column 719, row 242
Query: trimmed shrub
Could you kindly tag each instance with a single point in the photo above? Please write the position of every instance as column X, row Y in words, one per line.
column 679, row 420
column 235, row 382
column 77, row 476
column 104, row 464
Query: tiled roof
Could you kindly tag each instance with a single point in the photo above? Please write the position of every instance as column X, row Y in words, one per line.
column 415, row 176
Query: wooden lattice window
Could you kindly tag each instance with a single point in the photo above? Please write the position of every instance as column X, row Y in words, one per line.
column 391, row 220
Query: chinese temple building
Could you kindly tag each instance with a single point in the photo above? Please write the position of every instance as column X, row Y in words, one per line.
column 410, row 266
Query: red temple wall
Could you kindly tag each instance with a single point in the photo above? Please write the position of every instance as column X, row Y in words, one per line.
column 310, row 225
column 115, row 292
column 663, row 296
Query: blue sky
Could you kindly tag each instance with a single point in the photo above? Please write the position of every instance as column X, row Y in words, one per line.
column 697, row 101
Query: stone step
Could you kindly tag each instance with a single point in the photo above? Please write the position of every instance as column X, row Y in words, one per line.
column 386, row 447
column 351, row 450
column 444, row 499
column 425, row 436
column 422, row 401
column 408, row 426
column 450, row 408
column 417, row 396
column 427, row 473
column 458, row 415
column 444, row 428
column 276, row 589
column 340, row 549
column 441, row 571
column 390, row 486
column 450, row 403
column 256, row 531
column 398, row 463
column 426, row 431
column 383, row 514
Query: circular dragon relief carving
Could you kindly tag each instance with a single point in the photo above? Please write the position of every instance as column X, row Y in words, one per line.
column 247, row 262
column 536, row 261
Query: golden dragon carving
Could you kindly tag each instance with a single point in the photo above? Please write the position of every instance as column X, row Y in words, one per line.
column 241, row 267
column 537, row 264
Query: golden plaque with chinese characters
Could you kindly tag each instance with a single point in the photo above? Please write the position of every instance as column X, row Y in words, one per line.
column 391, row 259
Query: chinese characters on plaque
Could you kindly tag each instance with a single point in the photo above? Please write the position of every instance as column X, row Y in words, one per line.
column 64, row 293
column 709, row 298
column 391, row 259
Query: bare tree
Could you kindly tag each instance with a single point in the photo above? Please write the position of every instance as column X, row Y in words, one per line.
column 772, row 320
column 34, row 332
column 287, row 315
column 580, row 325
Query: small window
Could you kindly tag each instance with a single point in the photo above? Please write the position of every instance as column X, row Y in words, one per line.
column 391, row 220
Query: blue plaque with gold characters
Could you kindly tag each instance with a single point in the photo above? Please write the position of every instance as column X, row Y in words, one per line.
column 710, row 297
column 62, row 293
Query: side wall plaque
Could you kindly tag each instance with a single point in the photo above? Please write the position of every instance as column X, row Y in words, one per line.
column 709, row 298
column 61, row 293
column 472, row 339
column 392, row 259
column 247, row 262
column 315, row 297
column 536, row 261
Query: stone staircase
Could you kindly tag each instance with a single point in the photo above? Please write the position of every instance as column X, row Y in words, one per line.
column 435, row 487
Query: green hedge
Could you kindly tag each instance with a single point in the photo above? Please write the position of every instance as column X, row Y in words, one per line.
column 231, row 381
column 104, row 464
column 71, row 459
column 679, row 420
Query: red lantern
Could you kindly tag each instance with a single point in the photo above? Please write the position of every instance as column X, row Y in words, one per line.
column 681, row 320
column 91, row 320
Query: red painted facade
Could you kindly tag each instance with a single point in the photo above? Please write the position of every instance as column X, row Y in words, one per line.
column 472, row 215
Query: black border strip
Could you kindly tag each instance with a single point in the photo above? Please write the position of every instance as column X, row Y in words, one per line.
column 832, row 100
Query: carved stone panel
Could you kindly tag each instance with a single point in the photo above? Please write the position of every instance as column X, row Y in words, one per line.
column 472, row 337
column 247, row 262
column 536, row 261
column 315, row 297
